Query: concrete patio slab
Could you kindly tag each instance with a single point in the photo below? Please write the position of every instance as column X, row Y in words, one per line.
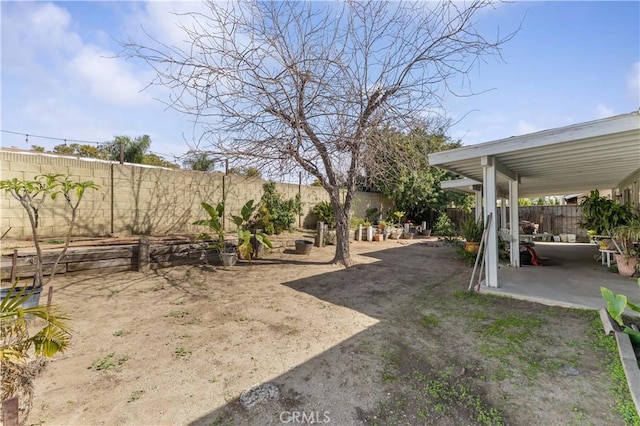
column 571, row 277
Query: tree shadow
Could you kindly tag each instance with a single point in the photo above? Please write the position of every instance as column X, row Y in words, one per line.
column 344, row 382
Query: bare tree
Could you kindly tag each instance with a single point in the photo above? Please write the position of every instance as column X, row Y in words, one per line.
column 306, row 84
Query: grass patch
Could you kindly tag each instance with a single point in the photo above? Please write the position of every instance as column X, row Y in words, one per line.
column 109, row 362
column 611, row 362
column 135, row 395
column 430, row 320
column 181, row 352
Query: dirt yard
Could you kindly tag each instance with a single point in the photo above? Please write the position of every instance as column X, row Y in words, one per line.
column 393, row 340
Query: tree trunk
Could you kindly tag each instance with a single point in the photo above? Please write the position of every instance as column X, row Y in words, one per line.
column 342, row 213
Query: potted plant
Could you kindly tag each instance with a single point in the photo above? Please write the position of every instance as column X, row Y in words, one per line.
column 249, row 245
column 384, row 229
column 227, row 253
column 471, row 230
column 18, row 344
column 602, row 214
column 626, row 238
column 32, row 195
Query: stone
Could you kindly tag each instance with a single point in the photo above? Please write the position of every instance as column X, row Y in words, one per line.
column 260, row 394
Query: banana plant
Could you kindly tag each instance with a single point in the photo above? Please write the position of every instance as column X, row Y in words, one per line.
column 245, row 245
column 214, row 222
column 616, row 304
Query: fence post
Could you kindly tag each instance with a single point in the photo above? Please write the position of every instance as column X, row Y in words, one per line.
column 10, row 412
column 143, row 254
column 319, row 234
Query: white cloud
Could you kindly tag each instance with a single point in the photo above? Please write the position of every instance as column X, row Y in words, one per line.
column 33, row 33
column 107, row 78
column 603, row 111
column 633, row 82
column 524, row 128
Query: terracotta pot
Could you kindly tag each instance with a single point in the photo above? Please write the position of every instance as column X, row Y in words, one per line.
column 626, row 265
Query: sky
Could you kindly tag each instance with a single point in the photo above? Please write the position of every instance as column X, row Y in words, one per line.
column 570, row 62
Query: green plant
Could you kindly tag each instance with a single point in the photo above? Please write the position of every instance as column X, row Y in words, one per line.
column 135, row 395
column 616, row 304
column 214, row 223
column 17, row 344
column 108, row 362
column 355, row 222
column 372, row 214
column 275, row 213
column 444, row 227
column 603, row 215
column 625, row 236
column 471, row 230
column 399, row 215
column 245, row 245
column 181, row 352
column 324, row 211
column 32, row 194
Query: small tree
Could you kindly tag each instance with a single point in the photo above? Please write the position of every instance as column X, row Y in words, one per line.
column 276, row 214
column 32, row 194
column 200, row 161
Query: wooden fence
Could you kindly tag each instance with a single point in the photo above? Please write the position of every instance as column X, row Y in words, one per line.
column 551, row 219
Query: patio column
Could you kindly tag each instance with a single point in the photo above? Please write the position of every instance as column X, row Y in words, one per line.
column 490, row 205
column 478, row 205
column 514, row 222
column 503, row 213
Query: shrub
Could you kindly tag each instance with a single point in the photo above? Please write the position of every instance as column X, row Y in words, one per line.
column 324, row 212
column 275, row 213
column 444, row 227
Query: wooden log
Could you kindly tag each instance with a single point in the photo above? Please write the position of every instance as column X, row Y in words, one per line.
column 176, row 248
column 28, row 271
column 97, row 264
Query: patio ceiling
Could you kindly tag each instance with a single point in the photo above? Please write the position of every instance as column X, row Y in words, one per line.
column 572, row 159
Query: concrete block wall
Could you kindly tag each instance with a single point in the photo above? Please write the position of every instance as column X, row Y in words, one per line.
column 54, row 215
column 137, row 199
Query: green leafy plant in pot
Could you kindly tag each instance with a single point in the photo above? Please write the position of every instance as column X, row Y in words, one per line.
column 626, row 239
column 40, row 330
column 227, row 253
column 602, row 214
column 471, row 230
column 249, row 244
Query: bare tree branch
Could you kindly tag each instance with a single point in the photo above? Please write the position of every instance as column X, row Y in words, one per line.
column 306, row 85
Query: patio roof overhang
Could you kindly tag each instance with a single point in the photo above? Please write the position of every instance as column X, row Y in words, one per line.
column 571, row 159
column 597, row 154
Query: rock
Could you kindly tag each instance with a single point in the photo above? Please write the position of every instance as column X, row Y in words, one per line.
column 257, row 395
column 569, row 371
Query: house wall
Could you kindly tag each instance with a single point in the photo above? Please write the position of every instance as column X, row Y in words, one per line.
column 628, row 191
column 140, row 199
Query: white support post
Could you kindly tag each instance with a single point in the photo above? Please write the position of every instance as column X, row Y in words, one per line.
column 478, row 205
column 503, row 212
column 514, row 222
column 490, row 205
